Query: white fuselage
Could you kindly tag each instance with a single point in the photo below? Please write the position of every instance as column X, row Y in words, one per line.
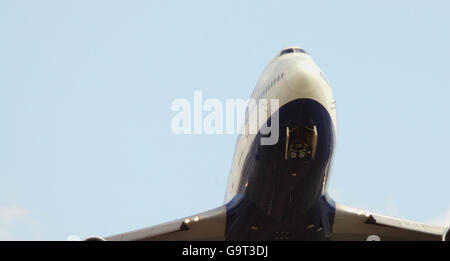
column 287, row 77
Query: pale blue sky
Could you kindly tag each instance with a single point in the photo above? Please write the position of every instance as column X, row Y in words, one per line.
column 86, row 86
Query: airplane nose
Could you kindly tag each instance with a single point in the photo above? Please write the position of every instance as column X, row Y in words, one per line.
column 301, row 78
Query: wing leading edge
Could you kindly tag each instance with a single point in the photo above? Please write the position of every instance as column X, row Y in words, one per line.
column 356, row 224
column 209, row 225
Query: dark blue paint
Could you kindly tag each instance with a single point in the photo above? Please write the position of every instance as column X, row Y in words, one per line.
column 276, row 205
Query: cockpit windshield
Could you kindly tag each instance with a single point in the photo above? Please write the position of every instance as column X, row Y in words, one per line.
column 292, row 50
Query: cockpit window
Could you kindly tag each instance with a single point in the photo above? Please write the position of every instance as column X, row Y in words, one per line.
column 285, row 51
column 292, row 50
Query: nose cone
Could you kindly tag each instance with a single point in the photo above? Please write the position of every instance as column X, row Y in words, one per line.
column 302, row 77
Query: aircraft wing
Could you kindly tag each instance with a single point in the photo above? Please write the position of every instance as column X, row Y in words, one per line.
column 208, row 225
column 356, row 224
column 349, row 224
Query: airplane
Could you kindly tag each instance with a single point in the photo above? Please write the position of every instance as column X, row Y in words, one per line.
column 279, row 192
